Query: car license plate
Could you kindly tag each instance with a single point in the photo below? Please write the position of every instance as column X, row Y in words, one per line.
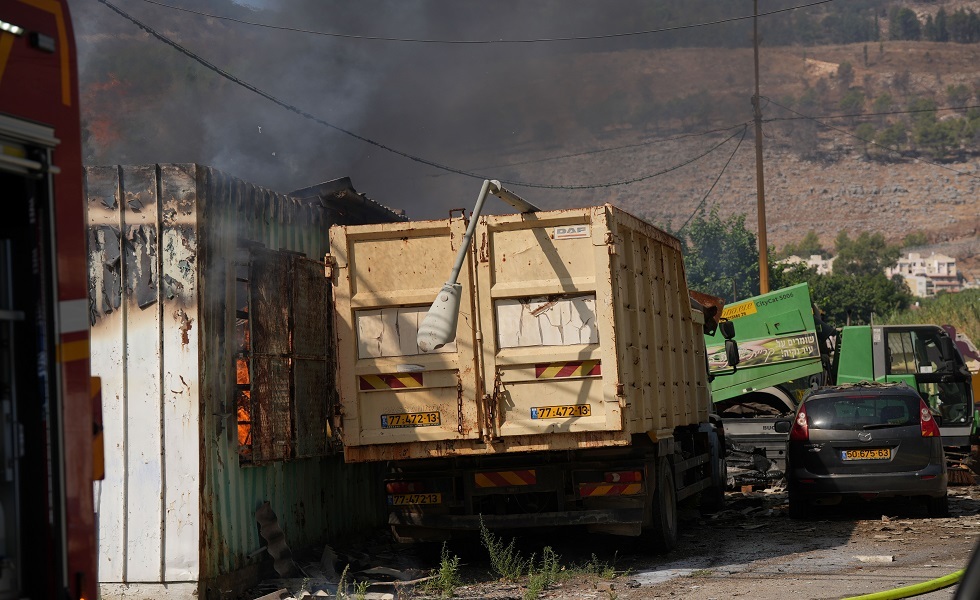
column 866, row 454
column 561, row 412
column 419, row 419
column 409, row 499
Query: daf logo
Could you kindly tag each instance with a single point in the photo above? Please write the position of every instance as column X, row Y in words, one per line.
column 572, row 231
column 864, row 436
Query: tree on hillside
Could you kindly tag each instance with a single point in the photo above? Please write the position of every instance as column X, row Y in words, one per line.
column 942, row 30
column 846, row 297
column 845, row 74
column 720, row 254
column 903, row 24
column 894, row 136
column 866, row 255
column 865, row 132
column 809, row 246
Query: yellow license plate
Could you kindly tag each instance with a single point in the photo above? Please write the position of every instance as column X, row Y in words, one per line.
column 419, row 419
column 561, row 412
column 866, row 454
column 409, row 499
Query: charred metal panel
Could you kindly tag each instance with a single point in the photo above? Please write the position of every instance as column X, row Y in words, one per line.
column 180, row 328
column 314, row 391
column 143, row 385
column 107, row 358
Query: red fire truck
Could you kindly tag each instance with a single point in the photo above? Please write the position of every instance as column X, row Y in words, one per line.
column 50, row 404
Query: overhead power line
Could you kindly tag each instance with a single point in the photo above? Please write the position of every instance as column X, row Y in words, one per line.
column 745, row 129
column 872, row 142
column 190, row 54
column 486, row 41
column 874, row 114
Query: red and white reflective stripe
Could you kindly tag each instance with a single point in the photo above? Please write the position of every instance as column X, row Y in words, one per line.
column 505, row 478
column 588, row 490
column 391, row 381
column 572, row 368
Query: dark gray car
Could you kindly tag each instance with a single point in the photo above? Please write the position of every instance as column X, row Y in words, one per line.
column 871, row 440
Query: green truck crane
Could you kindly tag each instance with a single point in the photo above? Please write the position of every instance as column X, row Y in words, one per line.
column 786, row 348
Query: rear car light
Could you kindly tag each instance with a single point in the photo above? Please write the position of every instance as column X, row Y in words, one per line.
column 405, row 487
column 801, row 430
column 927, row 425
column 623, row 476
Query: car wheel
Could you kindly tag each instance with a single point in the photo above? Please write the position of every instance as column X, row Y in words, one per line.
column 799, row 505
column 938, row 507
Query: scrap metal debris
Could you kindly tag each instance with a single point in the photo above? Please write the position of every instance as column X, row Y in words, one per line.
column 276, row 540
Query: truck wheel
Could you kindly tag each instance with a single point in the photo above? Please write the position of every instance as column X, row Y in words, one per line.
column 663, row 530
column 712, row 498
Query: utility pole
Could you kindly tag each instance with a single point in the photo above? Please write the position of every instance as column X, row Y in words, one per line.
column 760, row 184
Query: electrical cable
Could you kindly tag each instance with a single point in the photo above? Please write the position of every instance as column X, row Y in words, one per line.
column 190, row 54
column 875, row 114
column 612, row 148
column 745, row 129
column 499, row 41
column 872, row 142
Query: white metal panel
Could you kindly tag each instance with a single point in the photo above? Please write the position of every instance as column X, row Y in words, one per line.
column 144, row 465
column 181, row 411
column 546, row 321
column 391, row 332
column 105, row 273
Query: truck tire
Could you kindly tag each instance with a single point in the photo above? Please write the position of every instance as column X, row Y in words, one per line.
column 712, row 498
column 663, row 529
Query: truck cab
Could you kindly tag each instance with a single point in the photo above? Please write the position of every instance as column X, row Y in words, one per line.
column 922, row 356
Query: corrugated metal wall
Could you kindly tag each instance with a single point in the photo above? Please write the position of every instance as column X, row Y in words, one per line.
column 143, row 287
column 176, row 504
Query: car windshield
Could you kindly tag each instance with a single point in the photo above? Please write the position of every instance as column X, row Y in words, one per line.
column 862, row 412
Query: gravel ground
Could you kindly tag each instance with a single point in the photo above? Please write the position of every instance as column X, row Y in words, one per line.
column 750, row 550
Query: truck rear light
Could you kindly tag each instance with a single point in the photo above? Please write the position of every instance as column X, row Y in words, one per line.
column 927, row 425
column 405, row 487
column 624, row 476
column 801, row 429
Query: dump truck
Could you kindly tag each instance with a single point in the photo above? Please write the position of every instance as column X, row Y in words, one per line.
column 786, row 348
column 572, row 389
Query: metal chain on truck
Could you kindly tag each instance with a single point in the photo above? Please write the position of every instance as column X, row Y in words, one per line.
column 491, row 403
column 459, row 403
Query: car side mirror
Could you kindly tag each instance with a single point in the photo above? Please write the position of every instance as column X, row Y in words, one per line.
column 782, row 426
column 727, row 329
column 731, row 353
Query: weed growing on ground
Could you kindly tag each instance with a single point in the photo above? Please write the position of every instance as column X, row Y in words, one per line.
column 506, row 560
column 540, row 576
column 700, row 573
column 595, row 568
column 446, row 579
column 360, row 589
column 342, row 586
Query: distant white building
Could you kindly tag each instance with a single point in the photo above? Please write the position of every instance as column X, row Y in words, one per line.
column 824, row 266
column 927, row 276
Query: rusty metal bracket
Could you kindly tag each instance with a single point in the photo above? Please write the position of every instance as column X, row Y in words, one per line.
column 329, row 263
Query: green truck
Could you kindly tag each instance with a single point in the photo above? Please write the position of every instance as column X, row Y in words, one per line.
column 786, row 348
